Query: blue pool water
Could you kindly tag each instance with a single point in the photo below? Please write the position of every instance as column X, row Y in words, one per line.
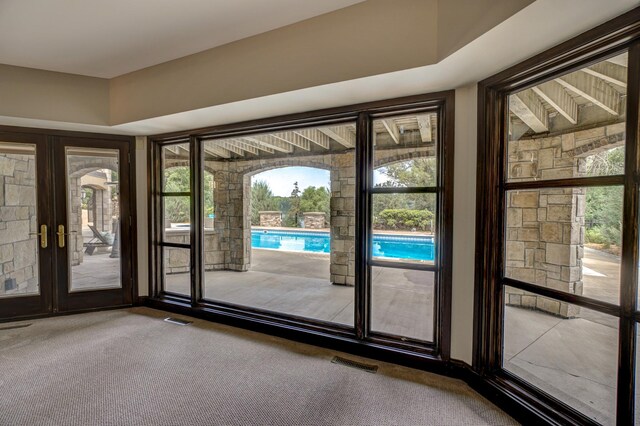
column 387, row 246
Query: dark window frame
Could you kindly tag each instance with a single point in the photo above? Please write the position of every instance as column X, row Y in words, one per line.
column 603, row 41
column 318, row 332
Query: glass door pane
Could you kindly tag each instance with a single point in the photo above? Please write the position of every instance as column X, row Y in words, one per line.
column 18, row 221
column 92, row 233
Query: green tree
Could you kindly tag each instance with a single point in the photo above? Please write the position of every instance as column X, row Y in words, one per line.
column 603, row 212
column 262, row 199
column 415, row 172
column 292, row 218
column 315, row 199
column 178, row 179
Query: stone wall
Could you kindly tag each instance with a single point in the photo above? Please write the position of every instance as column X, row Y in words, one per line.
column 545, row 228
column 314, row 220
column 18, row 218
column 270, row 219
column 177, row 262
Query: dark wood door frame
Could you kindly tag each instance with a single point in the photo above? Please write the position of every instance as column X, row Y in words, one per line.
column 47, row 303
column 589, row 47
column 363, row 114
column 101, row 298
column 43, row 302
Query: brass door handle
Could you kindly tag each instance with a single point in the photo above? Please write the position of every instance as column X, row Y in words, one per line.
column 61, row 234
column 43, row 236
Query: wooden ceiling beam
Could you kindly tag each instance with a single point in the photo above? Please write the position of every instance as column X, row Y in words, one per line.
column 244, row 146
column 293, row 139
column 609, row 72
column 172, row 149
column 271, row 142
column 622, row 60
column 555, row 95
column 257, row 145
column 315, row 136
column 182, row 151
column 216, row 151
column 340, row 134
column 593, row 89
column 392, row 129
column 231, row 147
column 424, row 125
column 526, row 106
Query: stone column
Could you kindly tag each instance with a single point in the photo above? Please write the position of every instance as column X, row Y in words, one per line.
column 272, row 219
column 342, row 220
column 545, row 228
column 314, row 220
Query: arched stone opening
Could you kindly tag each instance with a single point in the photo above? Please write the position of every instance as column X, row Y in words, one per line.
column 231, row 247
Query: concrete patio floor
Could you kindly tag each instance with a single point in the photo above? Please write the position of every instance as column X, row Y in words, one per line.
column 297, row 284
column 98, row 271
column 573, row 359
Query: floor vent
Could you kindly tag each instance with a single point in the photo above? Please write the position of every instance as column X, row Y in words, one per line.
column 355, row 364
column 177, row 321
column 13, row 327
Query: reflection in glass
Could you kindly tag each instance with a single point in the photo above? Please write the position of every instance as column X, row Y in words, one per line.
column 567, row 239
column 405, row 151
column 93, row 218
column 403, row 227
column 572, row 356
column 402, row 303
column 282, row 235
column 592, row 98
column 176, row 270
column 18, row 221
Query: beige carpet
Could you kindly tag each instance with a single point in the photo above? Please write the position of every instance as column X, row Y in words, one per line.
column 128, row 367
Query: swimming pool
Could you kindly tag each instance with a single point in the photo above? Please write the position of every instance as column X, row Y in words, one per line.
column 384, row 245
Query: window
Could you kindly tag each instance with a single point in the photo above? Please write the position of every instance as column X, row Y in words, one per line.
column 404, row 198
column 176, row 219
column 337, row 222
column 558, row 248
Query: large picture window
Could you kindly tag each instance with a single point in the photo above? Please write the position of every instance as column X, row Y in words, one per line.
column 558, row 237
column 338, row 223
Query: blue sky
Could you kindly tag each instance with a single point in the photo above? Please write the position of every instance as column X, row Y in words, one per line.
column 281, row 180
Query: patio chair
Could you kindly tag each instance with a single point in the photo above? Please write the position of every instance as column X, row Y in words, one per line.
column 98, row 240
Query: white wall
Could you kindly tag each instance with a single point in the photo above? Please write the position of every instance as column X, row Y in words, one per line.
column 464, row 222
column 141, row 207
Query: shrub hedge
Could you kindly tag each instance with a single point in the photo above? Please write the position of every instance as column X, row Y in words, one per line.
column 404, row 219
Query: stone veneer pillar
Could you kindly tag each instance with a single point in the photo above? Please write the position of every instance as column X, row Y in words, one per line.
column 314, row 220
column 272, row 219
column 342, row 219
column 545, row 228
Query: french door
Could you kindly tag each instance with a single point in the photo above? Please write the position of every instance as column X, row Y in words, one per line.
column 65, row 224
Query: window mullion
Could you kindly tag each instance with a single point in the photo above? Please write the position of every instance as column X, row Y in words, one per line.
column 197, row 264
column 364, row 171
column 629, row 255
